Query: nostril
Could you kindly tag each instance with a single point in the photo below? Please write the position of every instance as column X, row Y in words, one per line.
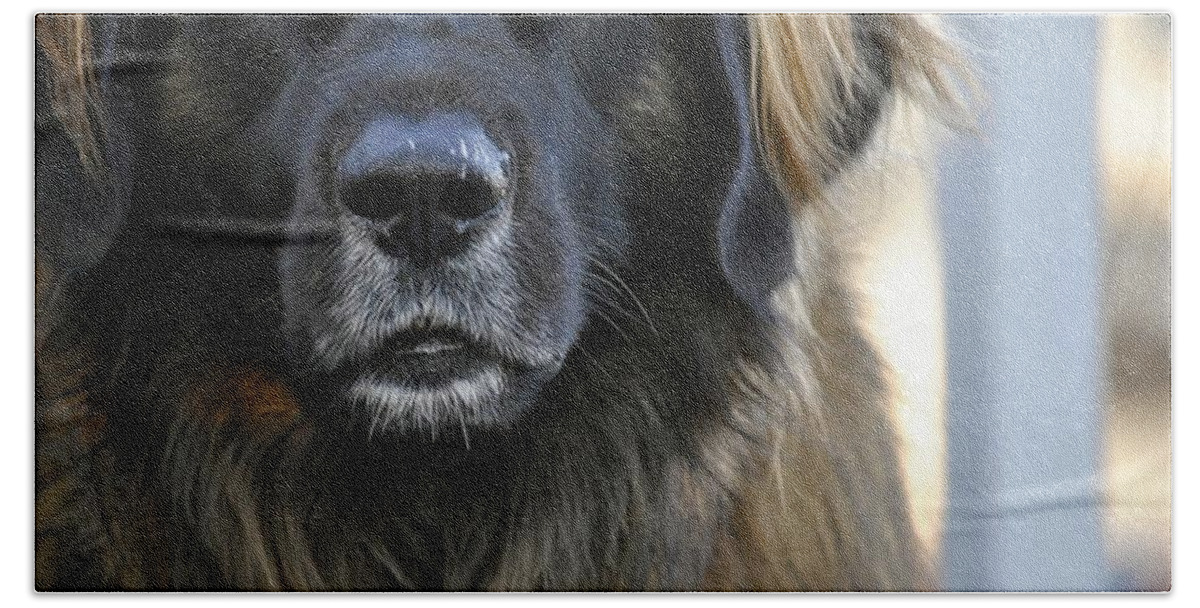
column 470, row 201
column 379, row 197
column 460, row 200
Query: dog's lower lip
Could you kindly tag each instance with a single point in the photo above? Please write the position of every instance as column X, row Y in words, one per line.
column 429, row 356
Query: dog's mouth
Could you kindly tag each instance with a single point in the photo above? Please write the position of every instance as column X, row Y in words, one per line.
column 428, row 356
column 424, row 377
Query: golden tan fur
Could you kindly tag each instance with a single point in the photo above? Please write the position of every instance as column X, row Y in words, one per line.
column 806, row 68
column 798, row 521
column 67, row 42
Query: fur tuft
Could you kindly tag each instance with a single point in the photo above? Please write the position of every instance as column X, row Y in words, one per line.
column 820, row 77
column 66, row 41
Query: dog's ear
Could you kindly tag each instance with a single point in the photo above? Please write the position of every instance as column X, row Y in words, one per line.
column 810, row 91
column 754, row 231
column 76, row 209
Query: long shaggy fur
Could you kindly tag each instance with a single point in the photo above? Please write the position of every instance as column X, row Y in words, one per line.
column 796, row 487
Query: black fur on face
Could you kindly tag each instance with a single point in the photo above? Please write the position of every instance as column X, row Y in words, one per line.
column 454, row 199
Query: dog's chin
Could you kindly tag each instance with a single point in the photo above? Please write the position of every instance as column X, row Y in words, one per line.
column 398, row 404
column 442, row 382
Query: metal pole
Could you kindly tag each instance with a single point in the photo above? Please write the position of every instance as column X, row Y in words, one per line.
column 1020, row 221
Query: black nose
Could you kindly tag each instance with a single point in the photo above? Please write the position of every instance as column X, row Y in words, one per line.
column 429, row 186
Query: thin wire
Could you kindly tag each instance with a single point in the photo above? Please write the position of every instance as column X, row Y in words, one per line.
column 245, row 229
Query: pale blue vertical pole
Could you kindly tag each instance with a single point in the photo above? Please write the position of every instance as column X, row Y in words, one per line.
column 1020, row 218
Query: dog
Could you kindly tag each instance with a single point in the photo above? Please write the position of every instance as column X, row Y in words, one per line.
column 471, row 302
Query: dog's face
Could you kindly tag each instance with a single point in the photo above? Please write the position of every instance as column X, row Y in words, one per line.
column 440, row 157
column 454, row 199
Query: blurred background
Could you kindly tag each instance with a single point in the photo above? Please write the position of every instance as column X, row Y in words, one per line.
column 1022, row 291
